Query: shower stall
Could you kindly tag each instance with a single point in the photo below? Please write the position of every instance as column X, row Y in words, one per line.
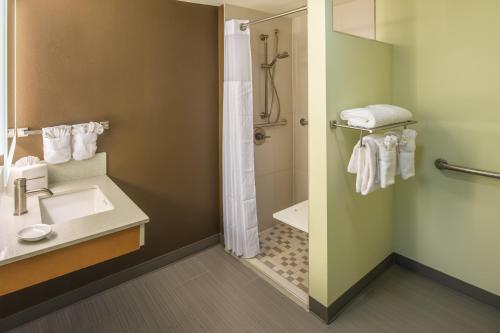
column 278, row 46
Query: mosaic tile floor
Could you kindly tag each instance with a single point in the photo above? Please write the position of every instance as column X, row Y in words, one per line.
column 285, row 250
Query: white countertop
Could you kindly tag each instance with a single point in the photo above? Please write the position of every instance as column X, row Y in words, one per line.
column 126, row 214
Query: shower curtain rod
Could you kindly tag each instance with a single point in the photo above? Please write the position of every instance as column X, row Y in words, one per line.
column 244, row 26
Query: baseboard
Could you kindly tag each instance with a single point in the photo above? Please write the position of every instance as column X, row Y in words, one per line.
column 98, row 286
column 328, row 314
column 448, row 281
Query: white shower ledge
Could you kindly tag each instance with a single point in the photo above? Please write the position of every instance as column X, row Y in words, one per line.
column 296, row 216
column 126, row 214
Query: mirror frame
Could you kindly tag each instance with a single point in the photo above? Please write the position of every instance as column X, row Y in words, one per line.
column 9, row 135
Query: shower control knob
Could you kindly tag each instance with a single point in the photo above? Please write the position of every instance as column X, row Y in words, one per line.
column 259, row 136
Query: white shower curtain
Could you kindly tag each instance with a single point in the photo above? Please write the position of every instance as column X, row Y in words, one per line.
column 241, row 233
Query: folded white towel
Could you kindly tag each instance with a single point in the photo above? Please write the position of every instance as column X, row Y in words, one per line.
column 407, row 147
column 57, row 144
column 376, row 115
column 364, row 164
column 85, row 140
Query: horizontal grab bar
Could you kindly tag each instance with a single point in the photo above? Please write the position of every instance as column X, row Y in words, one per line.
column 443, row 164
column 282, row 122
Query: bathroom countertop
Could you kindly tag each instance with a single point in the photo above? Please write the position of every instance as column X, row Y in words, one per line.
column 126, row 214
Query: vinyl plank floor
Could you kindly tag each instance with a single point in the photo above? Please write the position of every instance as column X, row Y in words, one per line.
column 213, row 292
column 401, row 301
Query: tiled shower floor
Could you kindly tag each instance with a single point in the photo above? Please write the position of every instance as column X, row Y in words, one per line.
column 285, row 250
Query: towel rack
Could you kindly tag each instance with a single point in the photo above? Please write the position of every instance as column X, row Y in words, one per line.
column 443, row 164
column 334, row 124
column 22, row 132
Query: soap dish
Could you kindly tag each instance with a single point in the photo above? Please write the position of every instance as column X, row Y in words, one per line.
column 34, row 232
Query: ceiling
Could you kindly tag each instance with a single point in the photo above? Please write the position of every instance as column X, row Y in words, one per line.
column 269, row 6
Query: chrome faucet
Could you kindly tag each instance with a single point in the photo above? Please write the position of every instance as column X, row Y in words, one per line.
column 20, row 195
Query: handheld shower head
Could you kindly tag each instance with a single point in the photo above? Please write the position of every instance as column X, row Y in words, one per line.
column 281, row 55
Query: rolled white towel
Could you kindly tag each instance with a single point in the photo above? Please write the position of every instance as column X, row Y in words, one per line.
column 376, row 115
column 85, row 140
column 407, row 148
column 27, row 161
column 57, row 144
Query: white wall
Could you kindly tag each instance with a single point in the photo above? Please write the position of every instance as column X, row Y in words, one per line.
column 299, row 88
column 274, row 159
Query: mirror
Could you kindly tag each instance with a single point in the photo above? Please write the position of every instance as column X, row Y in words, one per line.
column 354, row 17
column 7, row 114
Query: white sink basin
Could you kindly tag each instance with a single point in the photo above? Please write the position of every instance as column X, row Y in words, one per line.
column 68, row 206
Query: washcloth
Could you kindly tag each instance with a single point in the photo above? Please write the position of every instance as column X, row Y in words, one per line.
column 376, row 115
column 57, row 144
column 407, row 147
column 387, row 159
column 85, row 140
column 364, row 163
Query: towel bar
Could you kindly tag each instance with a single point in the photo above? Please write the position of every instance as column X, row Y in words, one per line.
column 22, row 132
column 442, row 164
column 334, row 124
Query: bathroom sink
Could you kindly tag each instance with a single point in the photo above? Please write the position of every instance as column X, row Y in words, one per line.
column 72, row 205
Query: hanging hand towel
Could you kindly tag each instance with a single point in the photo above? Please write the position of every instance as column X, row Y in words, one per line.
column 365, row 165
column 387, row 160
column 407, row 147
column 57, row 144
column 85, row 140
column 376, row 115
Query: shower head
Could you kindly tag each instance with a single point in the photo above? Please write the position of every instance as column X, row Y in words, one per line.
column 281, row 55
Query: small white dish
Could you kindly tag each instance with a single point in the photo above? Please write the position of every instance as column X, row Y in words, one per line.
column 34, row 232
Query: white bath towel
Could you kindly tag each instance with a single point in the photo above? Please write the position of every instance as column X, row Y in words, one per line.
column 85, row 140
column 376, row 115
column 407, row 147
column 57, row 144
column 364, row 164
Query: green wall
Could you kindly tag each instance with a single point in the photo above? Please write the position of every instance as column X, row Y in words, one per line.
column 447, row 70
column 349, row 234
column 359, row 227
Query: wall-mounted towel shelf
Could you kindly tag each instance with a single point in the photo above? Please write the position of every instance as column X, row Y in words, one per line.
column 282, row 122
column 442, row 164
column 22, row 132
column 334, row 124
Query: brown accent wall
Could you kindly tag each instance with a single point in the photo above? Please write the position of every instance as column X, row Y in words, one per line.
column 150, row 67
